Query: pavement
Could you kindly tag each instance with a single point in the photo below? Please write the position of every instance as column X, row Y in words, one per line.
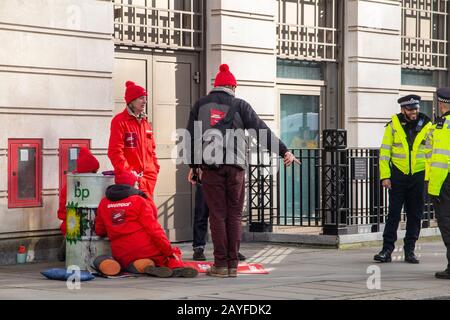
column 295, row 273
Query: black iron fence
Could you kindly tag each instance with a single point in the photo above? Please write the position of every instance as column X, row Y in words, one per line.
column 336, row 188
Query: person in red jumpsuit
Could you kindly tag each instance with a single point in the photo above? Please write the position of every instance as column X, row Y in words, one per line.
column 138, row 242
column 131, row 143
column 86, row 163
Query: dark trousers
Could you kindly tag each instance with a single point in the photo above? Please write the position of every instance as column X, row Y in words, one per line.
column 442, row 210
column 224, row 194
column 201, row 214
column 406, row 190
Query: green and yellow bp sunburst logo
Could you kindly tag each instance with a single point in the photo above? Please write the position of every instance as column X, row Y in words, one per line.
column 73, row 233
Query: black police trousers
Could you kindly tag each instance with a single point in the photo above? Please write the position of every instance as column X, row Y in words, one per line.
column 442, row 209
column 201, row 215
column 407, row 190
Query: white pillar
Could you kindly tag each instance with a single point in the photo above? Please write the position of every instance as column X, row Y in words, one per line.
column 242, row 34
column 372, row 68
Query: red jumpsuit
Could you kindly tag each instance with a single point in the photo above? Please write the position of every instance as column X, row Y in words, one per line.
column 134, row 232
column 132, row 148
column 62, row 211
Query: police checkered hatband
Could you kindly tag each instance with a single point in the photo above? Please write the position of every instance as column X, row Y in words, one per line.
column 443, row 100
column 409, row 102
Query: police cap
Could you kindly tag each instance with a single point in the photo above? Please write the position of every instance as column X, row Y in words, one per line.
column 410, row 101
column 443, row 95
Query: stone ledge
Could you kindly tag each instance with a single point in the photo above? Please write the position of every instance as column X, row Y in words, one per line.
column 341, row 241
column 39, row 249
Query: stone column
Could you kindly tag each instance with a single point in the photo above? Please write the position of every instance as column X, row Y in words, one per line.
column 372, row 68
column 242, row 34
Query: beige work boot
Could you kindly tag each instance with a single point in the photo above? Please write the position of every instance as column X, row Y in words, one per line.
column 232, row 272
column 220, row 272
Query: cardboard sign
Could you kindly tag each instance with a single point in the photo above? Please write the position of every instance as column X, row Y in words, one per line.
column 244, row 268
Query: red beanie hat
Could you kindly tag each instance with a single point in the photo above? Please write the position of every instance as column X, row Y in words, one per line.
column 125, row 177
column 133, row 91
column 224, row 77
column 86, row 162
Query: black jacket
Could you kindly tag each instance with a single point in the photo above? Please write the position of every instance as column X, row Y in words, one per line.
column 117, row 192
column 218, row 102
column 412, row 128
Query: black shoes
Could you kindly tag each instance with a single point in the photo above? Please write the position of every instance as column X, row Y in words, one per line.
column 443, row 274
column 410, row 257
column 198, row 255
column 383, row 256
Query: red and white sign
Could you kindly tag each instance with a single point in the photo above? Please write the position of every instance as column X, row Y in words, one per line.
column 216, row 116
column 244, row 268
column 130, row 140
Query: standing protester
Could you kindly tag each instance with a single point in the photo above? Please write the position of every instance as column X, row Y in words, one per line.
column 131, row 143
column 402, row 171
column 438, row 172
column 223, row 181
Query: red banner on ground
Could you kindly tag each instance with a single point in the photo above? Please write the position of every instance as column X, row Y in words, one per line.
column 245, row 268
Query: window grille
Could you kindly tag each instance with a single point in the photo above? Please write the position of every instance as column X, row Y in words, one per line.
column 307, row 30
column 424, row 34
column 166, row 24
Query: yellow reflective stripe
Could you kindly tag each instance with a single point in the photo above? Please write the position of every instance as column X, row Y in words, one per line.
column 428, row 155
column 443, row 152
column 392, row 128
column 420, row 156
column 398, row 145
column 386, row 147
column 385, row 158
column 439, row 165
column 399, row 156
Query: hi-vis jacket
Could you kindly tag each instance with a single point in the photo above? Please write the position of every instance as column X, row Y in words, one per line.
column 438, row 165
column 396, row 150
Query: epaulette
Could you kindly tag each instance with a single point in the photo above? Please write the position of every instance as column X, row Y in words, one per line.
column 440, row 123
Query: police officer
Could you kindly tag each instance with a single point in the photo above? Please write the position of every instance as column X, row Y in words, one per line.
column 402, row 171
column 437, row 172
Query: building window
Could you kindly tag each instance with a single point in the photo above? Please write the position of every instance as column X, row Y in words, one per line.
column 300, row 121
column 296, row 69
column 68, row 155
column 169, row 24
column 24, row 173
column 426, row 107
column 422, row 78
column 299, row 129
column 424, row 34
column 307, row 29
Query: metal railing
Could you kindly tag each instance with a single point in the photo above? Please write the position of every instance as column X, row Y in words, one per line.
column 307, row 30
column 306, row 195
column 175, row 25
column 424, row 34
column 306, row 43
